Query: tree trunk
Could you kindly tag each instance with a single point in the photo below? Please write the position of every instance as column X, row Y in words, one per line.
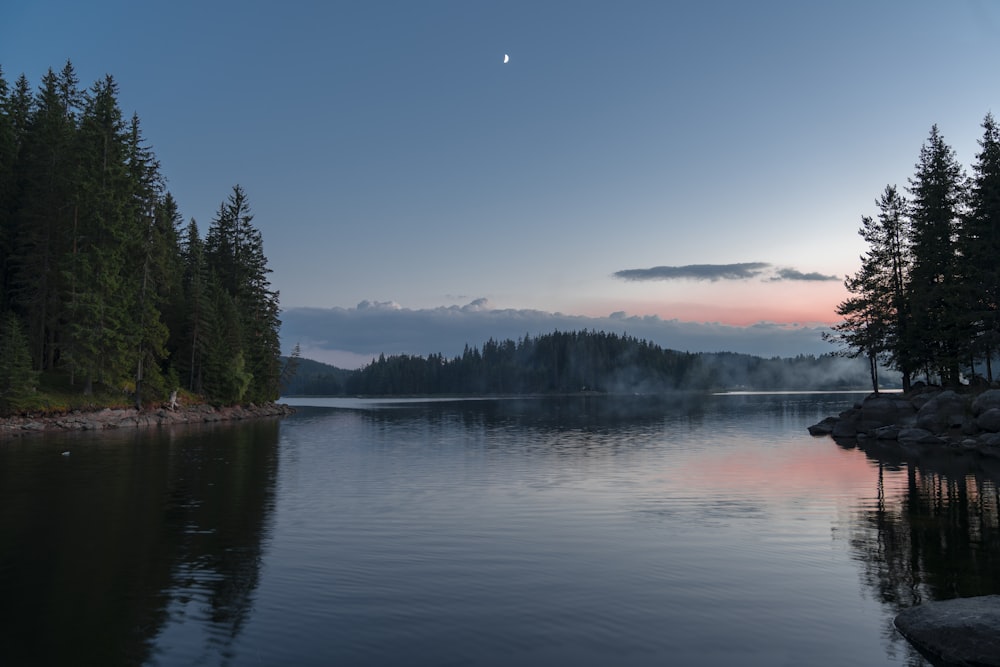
column 873, row 369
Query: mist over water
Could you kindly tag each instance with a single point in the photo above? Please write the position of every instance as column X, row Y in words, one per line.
column 644, row 531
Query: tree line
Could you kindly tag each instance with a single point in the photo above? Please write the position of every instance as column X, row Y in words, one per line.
column 926, row 300
column 570, row 362
column 101, row 283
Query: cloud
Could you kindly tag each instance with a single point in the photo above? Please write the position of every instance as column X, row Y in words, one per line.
column 716, row 272
column 792, row 274
column 351, row 337
column 711, row 272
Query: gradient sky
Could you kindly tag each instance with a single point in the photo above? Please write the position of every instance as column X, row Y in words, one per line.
column 692, row 173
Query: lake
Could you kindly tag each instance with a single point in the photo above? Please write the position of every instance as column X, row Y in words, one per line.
column 687, row 530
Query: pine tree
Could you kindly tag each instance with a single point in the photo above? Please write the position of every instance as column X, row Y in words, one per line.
column 980, row 246
column 99, row 299
column 235, row 252
column 151, row 264
column 8, row 159
column 938, row 338
column 891, row 254
column 15, row 109
column 876, row 316
column 45, row 217
column 190, row 338
column 17, row 379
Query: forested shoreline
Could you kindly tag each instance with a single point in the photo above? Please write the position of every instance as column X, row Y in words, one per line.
column 926, row 300
column 104, row 290
column 571, row 362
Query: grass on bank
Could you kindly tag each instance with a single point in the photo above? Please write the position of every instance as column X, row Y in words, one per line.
column 56, row 395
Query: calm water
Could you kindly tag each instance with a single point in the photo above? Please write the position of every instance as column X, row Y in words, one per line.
column 580, row 531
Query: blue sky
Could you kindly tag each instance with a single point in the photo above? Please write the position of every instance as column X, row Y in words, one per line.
column 622, row 171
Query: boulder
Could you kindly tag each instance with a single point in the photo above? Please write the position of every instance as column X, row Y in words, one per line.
column 919, row 436
column 962, row 631
column 987, row 400
column 944, row 411
column 989, row 420
column 844, row 428
column 881, row 410
column 887, row 433
column 824, row 427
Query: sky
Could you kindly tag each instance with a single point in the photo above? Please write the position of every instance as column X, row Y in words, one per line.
column 691, row 173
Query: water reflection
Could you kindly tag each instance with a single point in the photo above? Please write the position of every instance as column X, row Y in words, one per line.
column 680, row 530
column 931, row 530
column 129, row 534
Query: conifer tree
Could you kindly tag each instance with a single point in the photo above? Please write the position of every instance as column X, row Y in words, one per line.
column 980, row 246
column 235, row 252
column 868, row 312
column 890, row 255
column 151, row 263
column 15, row 109
column 98, row 295
column 191, row 336
column 17, row 379
column 939, row 337
column 8, row 153
column 46, row 214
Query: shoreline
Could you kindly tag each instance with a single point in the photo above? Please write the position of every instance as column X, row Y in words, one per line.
column 119, row 418
column 927, row 418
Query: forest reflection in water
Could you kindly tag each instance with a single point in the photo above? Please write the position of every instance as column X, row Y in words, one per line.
column 931, row 529
column 369, row 532
column 103, row 548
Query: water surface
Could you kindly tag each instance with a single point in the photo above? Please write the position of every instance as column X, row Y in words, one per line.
column 587, row 530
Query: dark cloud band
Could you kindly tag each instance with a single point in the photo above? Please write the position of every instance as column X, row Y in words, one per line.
column 716, row 272
column 712, row 272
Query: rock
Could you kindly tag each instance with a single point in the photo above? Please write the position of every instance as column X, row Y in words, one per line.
column 987, row 400
column 885, row 410
column 942, row 412
column 919, row 436
column 887, row 433
column 963, row 631
column 844, row 428
column 989, row 420
column 824, row 427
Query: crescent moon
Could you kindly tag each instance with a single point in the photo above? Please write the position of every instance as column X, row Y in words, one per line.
column 506, row 58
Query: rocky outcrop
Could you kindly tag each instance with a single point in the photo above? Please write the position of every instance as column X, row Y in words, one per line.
column 963, row 631
column 109, row 418
column 928, row 417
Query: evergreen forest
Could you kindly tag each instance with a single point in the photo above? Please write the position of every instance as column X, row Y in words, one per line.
column 572, row 362
column 926, row 300
column 104, row 290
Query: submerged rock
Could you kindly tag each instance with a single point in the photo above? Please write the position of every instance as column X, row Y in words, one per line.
column 964, row 631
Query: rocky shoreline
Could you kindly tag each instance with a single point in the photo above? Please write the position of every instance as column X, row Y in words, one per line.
column 118, row 418
column 926, row 417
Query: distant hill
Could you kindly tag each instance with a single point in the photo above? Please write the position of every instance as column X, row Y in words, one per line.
column 314, row 378
column 566, row 362
column 563, row 362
